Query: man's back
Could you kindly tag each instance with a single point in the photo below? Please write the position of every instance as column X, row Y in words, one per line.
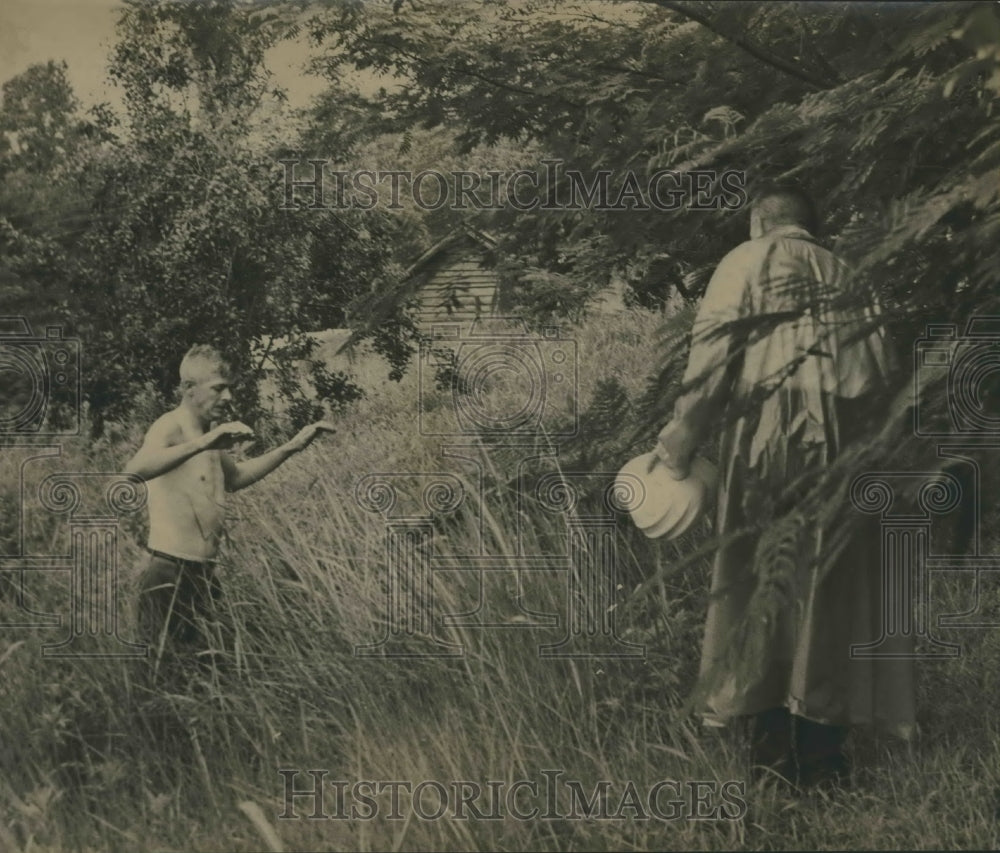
column 815, row 334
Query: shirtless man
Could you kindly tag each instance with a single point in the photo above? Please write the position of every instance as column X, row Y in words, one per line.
column 184, row 461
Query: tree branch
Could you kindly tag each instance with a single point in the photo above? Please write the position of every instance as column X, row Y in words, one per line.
column 467, row 72
column 746, row 45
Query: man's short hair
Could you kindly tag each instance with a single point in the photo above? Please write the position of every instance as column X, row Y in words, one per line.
column 198, row 361
column 787, row 204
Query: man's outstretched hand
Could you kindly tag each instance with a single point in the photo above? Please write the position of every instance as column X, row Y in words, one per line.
column 308, row 434
column 673, row 449
column 226, row 436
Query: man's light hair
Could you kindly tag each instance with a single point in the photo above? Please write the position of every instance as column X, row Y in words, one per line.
column 198, row 362
column 787, row 204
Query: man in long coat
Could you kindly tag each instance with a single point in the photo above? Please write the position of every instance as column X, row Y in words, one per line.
column 790, row 356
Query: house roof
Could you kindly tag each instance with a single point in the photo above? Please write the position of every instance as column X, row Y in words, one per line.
column 465, row 233
column 485, row 240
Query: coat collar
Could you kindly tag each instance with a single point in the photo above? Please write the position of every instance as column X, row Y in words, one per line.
column 790, row 231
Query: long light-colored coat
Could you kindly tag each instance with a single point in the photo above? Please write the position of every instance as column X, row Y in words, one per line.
column 792, row 367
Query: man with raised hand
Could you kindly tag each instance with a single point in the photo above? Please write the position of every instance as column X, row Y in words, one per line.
column 188, row 472
column 792, row 358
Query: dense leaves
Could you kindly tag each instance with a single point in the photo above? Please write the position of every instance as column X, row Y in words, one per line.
column 870, row 107
column 177, row 221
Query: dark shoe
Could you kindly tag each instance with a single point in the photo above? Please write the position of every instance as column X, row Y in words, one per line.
column 819, row 755
column 771, row 753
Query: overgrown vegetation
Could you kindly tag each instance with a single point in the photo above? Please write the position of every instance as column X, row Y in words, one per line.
column 96, row 759
column 144, row 232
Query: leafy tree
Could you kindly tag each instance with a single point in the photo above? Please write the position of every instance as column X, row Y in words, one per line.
column 642, row 86
column 188, row 239
column 39, row 119
column 45, row 137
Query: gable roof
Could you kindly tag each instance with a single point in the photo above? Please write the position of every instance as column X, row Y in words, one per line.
column 465, row 234
column 411, row 279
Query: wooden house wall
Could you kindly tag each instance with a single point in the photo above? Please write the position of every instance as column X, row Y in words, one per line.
column 456, row 279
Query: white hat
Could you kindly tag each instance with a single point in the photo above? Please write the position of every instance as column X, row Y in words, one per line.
column 665, row 506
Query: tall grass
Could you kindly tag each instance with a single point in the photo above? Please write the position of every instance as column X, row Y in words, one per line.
column 98, row 756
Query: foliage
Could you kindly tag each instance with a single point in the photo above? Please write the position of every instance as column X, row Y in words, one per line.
column 45, row 138
column 100, row 756
column 180, row 233
column 40, row 123
column 169, row 228
column 662, row 85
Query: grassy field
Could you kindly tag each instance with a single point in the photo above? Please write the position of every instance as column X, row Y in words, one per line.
column 96, row 756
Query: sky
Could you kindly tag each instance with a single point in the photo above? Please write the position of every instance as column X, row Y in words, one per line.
column 81, row 32
column 78, row 31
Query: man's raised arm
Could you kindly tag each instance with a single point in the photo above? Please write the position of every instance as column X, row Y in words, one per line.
column 165, row 448
column 239, row 475
column 708, row 372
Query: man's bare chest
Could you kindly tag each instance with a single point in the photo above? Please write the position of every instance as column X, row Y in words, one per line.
column 201, row 474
